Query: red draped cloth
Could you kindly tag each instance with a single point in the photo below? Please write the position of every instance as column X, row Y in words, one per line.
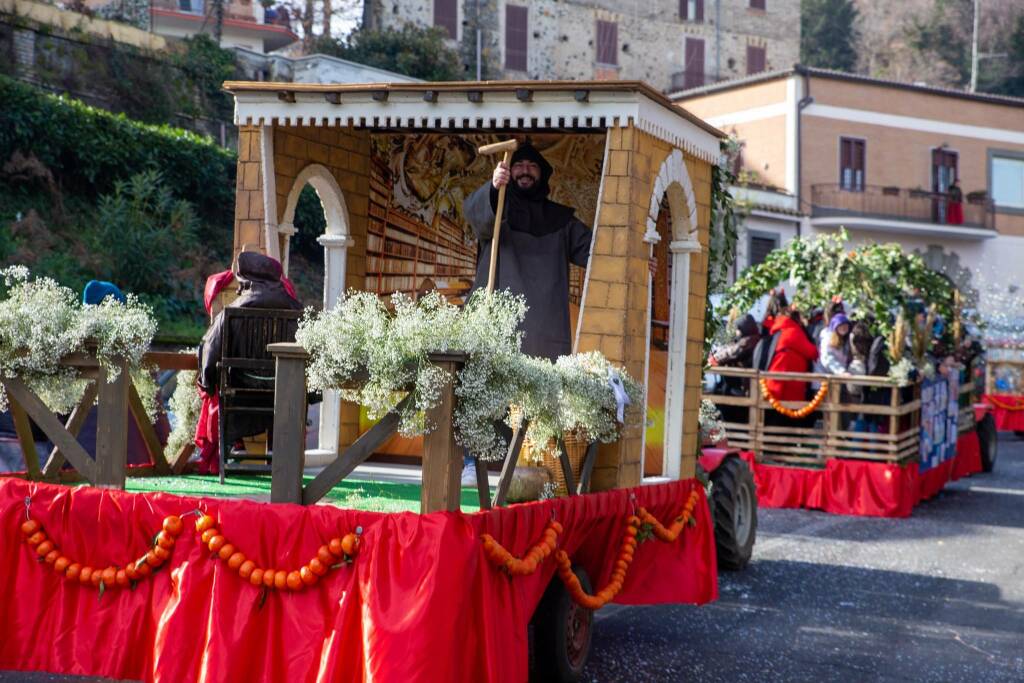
column 420, row 602
column 861, row 487
column 1008, row 411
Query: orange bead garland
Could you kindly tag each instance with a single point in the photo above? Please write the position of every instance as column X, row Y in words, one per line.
column 515, row 566
column 1005, row 406
column 638, row 528
column 789, row 412
column 329, row 556
column 109, row 577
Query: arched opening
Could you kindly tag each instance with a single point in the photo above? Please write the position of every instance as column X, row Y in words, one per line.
column 315, row 233
column 671, row 233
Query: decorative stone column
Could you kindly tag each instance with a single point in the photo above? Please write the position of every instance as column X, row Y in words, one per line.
column 335, row 257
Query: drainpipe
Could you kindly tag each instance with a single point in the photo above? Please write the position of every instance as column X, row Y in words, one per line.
column 804, row 102
column 718, row 40
column 479, row 40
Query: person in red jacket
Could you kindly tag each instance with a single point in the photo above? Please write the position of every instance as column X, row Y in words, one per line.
column 794, row 352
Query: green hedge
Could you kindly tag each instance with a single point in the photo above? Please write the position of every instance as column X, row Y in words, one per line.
column 89, row 149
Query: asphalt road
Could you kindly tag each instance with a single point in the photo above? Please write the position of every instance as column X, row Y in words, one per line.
column 935, row 597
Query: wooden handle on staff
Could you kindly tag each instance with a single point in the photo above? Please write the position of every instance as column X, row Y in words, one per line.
column 497, row 228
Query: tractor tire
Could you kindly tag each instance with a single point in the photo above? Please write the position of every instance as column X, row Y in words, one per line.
column 988, row 439
column 734, row 509
column 562, row 632
column 1019, row 433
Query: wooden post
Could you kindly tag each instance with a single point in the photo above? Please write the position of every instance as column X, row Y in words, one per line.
column 112, row 427
column 289, row 447
column 23, row 428
column 442, row 459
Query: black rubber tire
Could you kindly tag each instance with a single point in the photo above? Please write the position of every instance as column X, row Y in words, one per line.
column 988, row 438
column 734, row 509
column 1019, row 433
column 562, row 633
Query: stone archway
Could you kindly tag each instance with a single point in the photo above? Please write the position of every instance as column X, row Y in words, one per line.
column 673, row 187
column 336, row 240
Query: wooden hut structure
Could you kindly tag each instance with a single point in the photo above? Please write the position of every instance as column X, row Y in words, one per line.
column 390, row 165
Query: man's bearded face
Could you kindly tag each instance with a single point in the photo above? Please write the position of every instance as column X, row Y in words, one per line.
column 525, row 174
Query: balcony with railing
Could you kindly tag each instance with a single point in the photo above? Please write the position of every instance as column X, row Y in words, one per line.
column 904, row 210
column 268, row 28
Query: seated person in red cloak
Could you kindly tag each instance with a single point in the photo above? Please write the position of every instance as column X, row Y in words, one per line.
column 261, row 285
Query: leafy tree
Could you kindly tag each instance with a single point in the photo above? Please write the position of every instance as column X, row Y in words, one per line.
column 828, row 34
column 208, row 65
column 142, row 234
column 410, row 50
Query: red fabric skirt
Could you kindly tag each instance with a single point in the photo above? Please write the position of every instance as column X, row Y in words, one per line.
column 420, row 602
column 1009, row 418
column 860, row 487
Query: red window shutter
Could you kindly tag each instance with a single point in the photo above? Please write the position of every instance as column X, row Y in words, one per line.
column 693, row 72
column 446, row 16
column 700, row 11
column 607, row 42
column 516, row 37
column 684, row 6
column 756, row 59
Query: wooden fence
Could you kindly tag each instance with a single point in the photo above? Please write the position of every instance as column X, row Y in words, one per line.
column 117, row 402
column 891, row 412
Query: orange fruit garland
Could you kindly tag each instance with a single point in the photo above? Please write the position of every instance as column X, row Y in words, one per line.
column 642, row 522
column 109, row 577
column 789, row 412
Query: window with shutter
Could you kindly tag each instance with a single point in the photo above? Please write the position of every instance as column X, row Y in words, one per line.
column 515, row 37
column 607, row 43
column 446, row 16
column 757, row 4
column 693, row 69
column 851, row 164
column 691, row 10
column 761, row 246
column 756, row 59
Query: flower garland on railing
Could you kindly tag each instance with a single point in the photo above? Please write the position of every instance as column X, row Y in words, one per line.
column 639, row 528
column 42, row 322
column 998, row 403
column 789, row 412
column 374, row 355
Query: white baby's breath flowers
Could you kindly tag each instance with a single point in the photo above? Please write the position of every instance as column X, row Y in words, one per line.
column 41, row 322
column 375, row 356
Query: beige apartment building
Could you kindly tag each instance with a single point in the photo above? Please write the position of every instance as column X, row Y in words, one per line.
column 670, row 44
column 823, row 150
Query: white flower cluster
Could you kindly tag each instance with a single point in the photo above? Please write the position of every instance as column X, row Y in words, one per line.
column 41, row 322
column 710, row 420
column 900, row 372
column 375, row 356
column 185, row 405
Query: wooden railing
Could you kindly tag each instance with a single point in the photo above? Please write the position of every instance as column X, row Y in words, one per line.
column 442, row 457
column 753, row 424
column 117, row 402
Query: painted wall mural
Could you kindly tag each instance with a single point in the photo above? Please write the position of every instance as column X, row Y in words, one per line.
column 418, row 238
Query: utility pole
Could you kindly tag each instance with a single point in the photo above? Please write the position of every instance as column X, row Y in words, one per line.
column 974, row 49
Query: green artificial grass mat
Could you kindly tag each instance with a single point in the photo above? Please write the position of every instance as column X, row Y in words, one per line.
column 375, row 496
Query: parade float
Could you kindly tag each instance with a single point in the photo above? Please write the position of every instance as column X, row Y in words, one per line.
column 862, row 445
column 1001, row 309
column 162, row 587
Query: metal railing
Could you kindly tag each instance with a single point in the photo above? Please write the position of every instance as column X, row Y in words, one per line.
column 920, row 206
column 232, row 10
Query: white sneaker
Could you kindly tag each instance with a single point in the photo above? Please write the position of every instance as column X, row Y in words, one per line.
column 469, row 475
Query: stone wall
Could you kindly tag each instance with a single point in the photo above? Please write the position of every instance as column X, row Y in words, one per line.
column 651, row 36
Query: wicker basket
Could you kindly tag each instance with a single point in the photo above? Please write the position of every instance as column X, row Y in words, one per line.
column 576, row 448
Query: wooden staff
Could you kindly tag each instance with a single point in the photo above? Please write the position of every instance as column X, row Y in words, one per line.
column 507, row 147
